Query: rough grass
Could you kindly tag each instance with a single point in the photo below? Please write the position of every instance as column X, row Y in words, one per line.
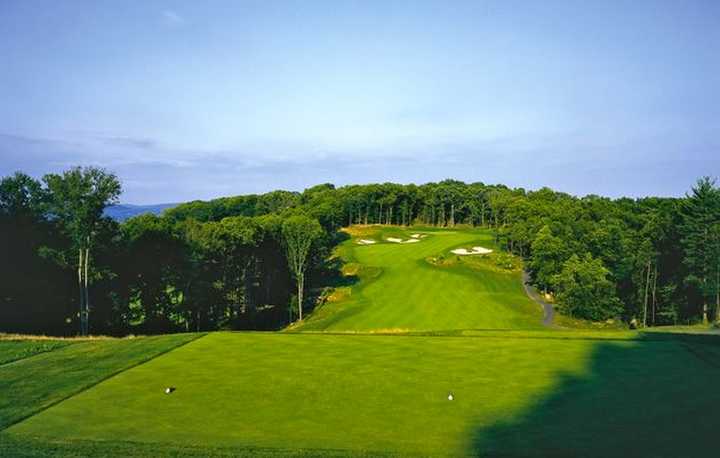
column 34, row 383
column 24, row 447
column 534, row 393
column 13, row 350
column 397, row 288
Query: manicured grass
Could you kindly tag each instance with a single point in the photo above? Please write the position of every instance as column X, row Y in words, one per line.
column 399, row 288
column 13, row 350
column 369, row 373
column 31, row 384
column 24, row 447
column 518, row 393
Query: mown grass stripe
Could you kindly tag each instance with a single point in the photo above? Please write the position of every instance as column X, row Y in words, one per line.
column 28, row 349
column 75, row 386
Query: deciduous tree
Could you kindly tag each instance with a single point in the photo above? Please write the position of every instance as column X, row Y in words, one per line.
column 299, row 233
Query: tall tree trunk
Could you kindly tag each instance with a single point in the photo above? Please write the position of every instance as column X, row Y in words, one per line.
column 301, row 281
column 452, row 214
column 717, row 293
column 248, row 273
column 80, row 290
column 654, row 291
column 647, row 285
column 87, row 293
column 705, row 304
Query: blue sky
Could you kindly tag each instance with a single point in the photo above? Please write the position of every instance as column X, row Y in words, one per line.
column 194, row 100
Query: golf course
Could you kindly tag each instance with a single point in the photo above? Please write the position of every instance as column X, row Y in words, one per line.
column 415, row 352
column 423, row 286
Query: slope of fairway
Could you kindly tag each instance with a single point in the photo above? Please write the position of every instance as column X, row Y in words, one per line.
column 13, row 350
column 399, row 290
column 55, row 370
column 527, row 393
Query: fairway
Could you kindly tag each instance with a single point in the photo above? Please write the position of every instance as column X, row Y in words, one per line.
column 418, row 352
column 527, row 393
column 398, row 289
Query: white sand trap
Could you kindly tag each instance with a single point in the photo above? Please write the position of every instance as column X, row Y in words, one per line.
column 397, row 240
column 366, row 242
column 418, row 236
column 475, row 250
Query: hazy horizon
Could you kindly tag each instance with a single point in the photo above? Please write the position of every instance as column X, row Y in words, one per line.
column 187, row 100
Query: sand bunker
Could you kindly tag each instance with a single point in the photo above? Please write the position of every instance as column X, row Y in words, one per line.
column 397, row 240
column 475, row 250
column 366, row 242
column 418, row 236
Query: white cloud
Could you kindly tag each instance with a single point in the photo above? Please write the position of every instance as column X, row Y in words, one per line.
column 172, row 18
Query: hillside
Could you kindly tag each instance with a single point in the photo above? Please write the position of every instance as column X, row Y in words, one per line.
column 420, row 285
column 121, row 212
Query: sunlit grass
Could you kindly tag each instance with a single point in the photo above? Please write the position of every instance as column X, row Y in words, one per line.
column 34, row 383
column 524, row 392
column 397, row 288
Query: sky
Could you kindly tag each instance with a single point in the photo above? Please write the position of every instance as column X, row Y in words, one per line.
column 200, row 99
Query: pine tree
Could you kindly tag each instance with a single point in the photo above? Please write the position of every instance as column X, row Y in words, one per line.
column 701, row 213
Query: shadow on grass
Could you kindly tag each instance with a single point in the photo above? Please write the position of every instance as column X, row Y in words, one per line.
column 655, row 396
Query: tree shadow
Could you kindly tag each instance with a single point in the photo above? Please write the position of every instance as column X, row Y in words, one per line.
column 658, row 395
column 328, row 276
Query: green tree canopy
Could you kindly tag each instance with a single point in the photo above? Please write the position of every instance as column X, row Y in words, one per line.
column 584, row 290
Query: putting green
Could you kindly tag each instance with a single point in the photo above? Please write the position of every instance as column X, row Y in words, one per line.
column 397, row 288
column 532, row 393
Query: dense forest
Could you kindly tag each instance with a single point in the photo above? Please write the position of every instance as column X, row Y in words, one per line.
column 244, row 262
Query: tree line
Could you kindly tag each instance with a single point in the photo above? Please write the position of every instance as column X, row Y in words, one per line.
column 257, row 261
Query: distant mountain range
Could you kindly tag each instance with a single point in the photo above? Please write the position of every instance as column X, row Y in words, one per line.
column 121, row 212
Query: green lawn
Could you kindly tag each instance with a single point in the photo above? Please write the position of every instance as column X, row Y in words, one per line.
column 398, row 289
column 13, row 350
column 518, row 393
column 34, row 383
column 369, row 373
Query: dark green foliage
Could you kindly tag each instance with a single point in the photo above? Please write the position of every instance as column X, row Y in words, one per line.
column 222, row 264
column 548, row 253
column 584, row 290
column 701, row 242
column 76, row 200
column 34, row 293
column 249, row 205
